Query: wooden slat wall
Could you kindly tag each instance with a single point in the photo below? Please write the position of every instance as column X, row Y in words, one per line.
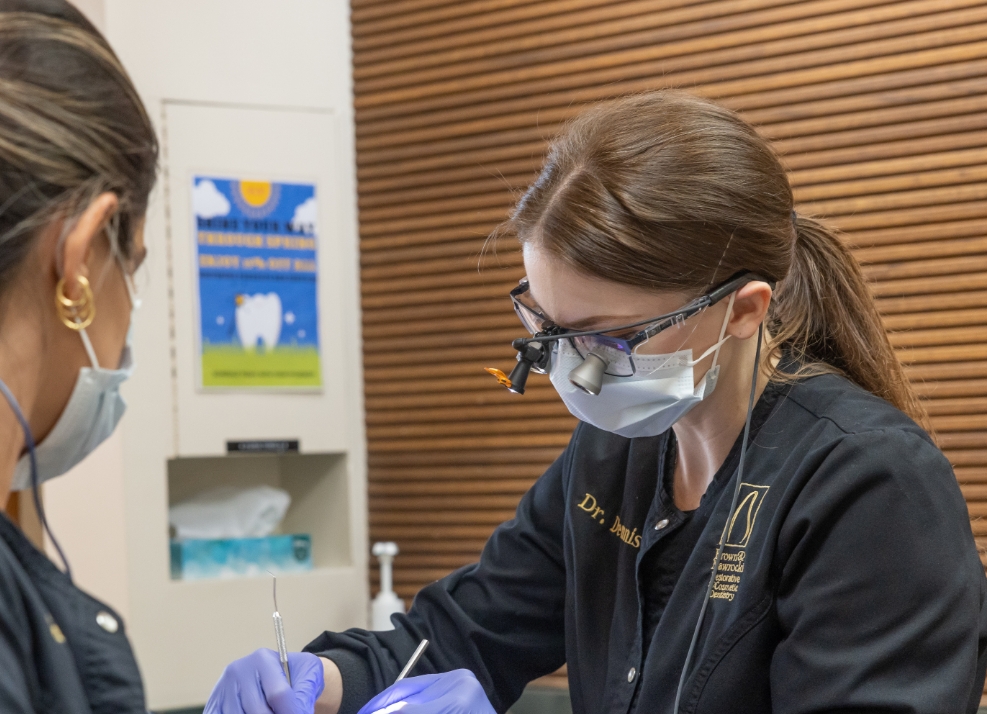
column 879, row 109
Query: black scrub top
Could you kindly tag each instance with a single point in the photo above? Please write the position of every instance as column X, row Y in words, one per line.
column 850, row 580
column 60, row 649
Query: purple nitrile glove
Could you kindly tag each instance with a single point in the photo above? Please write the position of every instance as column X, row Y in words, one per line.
column 256, row 684
column 455, row 692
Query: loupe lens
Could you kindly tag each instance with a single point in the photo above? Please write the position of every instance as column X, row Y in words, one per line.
column 615, row 352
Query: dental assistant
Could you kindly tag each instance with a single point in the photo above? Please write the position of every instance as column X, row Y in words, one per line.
column 750, row 517
column 78, row 159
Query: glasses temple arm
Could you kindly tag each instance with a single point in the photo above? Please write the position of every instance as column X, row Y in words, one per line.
column 733, row 285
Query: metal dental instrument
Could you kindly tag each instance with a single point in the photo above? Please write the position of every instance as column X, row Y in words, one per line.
column 422, row 646
column 279, row 633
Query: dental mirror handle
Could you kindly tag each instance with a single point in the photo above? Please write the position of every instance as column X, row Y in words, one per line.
column 422, row 646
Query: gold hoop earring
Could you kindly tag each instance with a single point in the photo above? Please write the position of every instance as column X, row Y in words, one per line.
column 75, row 314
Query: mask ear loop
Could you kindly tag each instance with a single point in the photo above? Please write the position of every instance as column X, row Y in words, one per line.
column 35, row 486
column 113, row 236
column 112, row 230
column 715, row 349
column 723, row 331
column 695, row 326
column 691, row 333
column 89, row 348
column 726, row 526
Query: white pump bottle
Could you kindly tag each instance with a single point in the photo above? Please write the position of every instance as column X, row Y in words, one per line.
column 387, row 602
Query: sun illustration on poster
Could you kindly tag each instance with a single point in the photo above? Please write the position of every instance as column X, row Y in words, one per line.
column 256, row 199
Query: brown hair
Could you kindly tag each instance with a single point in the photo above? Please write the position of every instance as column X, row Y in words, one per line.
column 667, row 191
column 71, row 127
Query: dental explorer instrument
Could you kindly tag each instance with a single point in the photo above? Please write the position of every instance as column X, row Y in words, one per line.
column 279, row 633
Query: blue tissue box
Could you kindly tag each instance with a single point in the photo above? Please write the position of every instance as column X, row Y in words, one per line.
column 194, row 559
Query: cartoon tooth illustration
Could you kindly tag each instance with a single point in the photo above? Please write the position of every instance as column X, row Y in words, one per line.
column 258, row 317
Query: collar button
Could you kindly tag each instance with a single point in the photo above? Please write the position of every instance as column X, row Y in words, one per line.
column 662, row 524
column 107, row 621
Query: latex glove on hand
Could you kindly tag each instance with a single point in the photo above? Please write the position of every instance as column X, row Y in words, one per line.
column 456, row 692
column 256, row 684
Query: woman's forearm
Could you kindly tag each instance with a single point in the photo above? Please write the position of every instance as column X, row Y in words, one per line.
column 332, row 695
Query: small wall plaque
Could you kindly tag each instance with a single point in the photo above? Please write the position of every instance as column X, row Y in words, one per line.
column 263, row 446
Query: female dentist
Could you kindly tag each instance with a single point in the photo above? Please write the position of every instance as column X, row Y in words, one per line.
column 77, row 161
column 750, row 518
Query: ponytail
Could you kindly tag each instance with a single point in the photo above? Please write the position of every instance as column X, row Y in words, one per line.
column 824, row 316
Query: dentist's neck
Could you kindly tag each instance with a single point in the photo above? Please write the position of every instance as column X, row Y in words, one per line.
column 707, row 433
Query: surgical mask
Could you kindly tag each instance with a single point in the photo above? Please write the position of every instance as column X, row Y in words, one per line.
column 90, row 417
column 660, row 392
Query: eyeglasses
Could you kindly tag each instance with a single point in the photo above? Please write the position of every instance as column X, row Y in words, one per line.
column 616, row 345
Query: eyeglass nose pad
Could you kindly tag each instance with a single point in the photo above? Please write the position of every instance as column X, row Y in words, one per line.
column 589, row 375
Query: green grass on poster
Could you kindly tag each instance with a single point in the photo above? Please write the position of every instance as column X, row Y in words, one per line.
column 233, row 366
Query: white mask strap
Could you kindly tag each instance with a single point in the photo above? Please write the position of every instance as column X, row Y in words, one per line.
column 89, row 348
column 134, row 304
column 128, row 281
column 723, row 337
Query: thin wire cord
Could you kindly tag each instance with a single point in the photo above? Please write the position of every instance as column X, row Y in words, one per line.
column 726, row 526
column 36, row 491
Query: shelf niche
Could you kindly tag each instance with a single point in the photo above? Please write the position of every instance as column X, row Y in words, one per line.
column 317, row 484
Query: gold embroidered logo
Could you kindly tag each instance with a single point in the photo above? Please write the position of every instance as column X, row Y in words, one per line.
column 727, row 580
column 726, row 583
column 742, row 520
column 589, row 505
column 628, row 535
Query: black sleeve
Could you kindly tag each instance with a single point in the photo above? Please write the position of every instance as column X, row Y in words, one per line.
column 880, row 588
column 501, row 618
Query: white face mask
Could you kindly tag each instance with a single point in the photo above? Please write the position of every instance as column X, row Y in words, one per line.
column 661, row 391
column 92, row 413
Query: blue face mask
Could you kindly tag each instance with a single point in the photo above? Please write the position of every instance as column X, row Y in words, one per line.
column 90, row 417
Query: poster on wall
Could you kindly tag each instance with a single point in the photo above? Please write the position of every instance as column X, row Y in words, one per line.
column 257, row 283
